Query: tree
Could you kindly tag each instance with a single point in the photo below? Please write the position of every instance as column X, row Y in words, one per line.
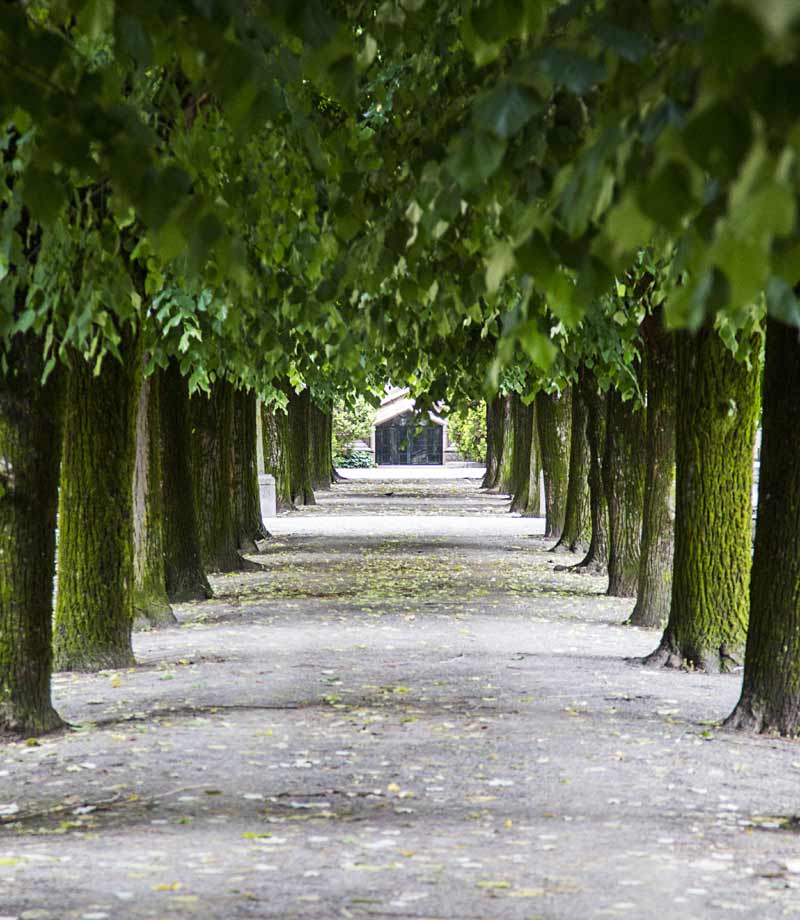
column 28, row 500
column 718, row 400
column 95, row 592
column 770, row 700
column 151, row 603
column 656, row 549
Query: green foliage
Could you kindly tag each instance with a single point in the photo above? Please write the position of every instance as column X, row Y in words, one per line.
column 354, row 460
column 352, row 421
column 466, row 427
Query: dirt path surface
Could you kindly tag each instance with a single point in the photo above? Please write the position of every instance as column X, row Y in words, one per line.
column 406, row 714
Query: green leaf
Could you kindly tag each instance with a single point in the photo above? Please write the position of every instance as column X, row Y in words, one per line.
column 506, row 109
column 667, row 198
column 570, row 69
column 499, row 263
column 476, row 156
column 44, row 195
column 719, row 138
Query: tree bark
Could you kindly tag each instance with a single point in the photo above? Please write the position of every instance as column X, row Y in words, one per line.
column 150, row 602
column 533, row 506
column 770, row 700
column 495, row 424
column 275, row 434
column 623, row 481
column 553, row 416
column 302, row 491
column 29, row 460
column 320, row 453
column 505, row 483
column 183, row 561
column 717, row 407
column 577, row 533
column 247, row 502
column 214, row 495
column 658, row 519
column 522, row 420
column 595, row 561
column 94, row 598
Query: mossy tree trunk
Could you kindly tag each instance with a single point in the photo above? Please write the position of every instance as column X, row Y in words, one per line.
column 596, row 559
column 623, row 481
column 320, row 453
column 94, row 600
column 214, row 491
column 299, row 410
column 577, row 532
column 505, row 482
column 150, row 602
column 29, row 458
column 658, row 519
column 553, row 418
column 247, row 503
column 770, row 700
column 183, row 561
column 495, row 424
column 717, row 408
column 533, row 506
column 522, row 420
column 275, row 434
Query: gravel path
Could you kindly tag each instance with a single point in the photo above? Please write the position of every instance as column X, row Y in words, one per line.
column 406, row 714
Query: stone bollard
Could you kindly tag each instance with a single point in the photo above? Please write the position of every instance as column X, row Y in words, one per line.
column 267, row 495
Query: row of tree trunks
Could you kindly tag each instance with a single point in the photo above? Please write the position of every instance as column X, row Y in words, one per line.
column 94, row 599
column 577, row 532
column 718, row 401
column 553, row 418
column 28, row 501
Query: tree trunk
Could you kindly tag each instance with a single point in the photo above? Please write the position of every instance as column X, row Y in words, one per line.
column 717, row 407
column 770, row 699
column 275, row 434
column 321, row 457
column 623, row 481
column 658, row 520
column 577, row 533
column 505, row 483
column 533, row 506
column 595, row 561
column 522, row 418
column 495, row 423
column 553, row 415
column 214, row 493
column 29, row 459
column 150, row 602
column 247, row 502
column 302, row 492
column 94, row 598
column 183, row 566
